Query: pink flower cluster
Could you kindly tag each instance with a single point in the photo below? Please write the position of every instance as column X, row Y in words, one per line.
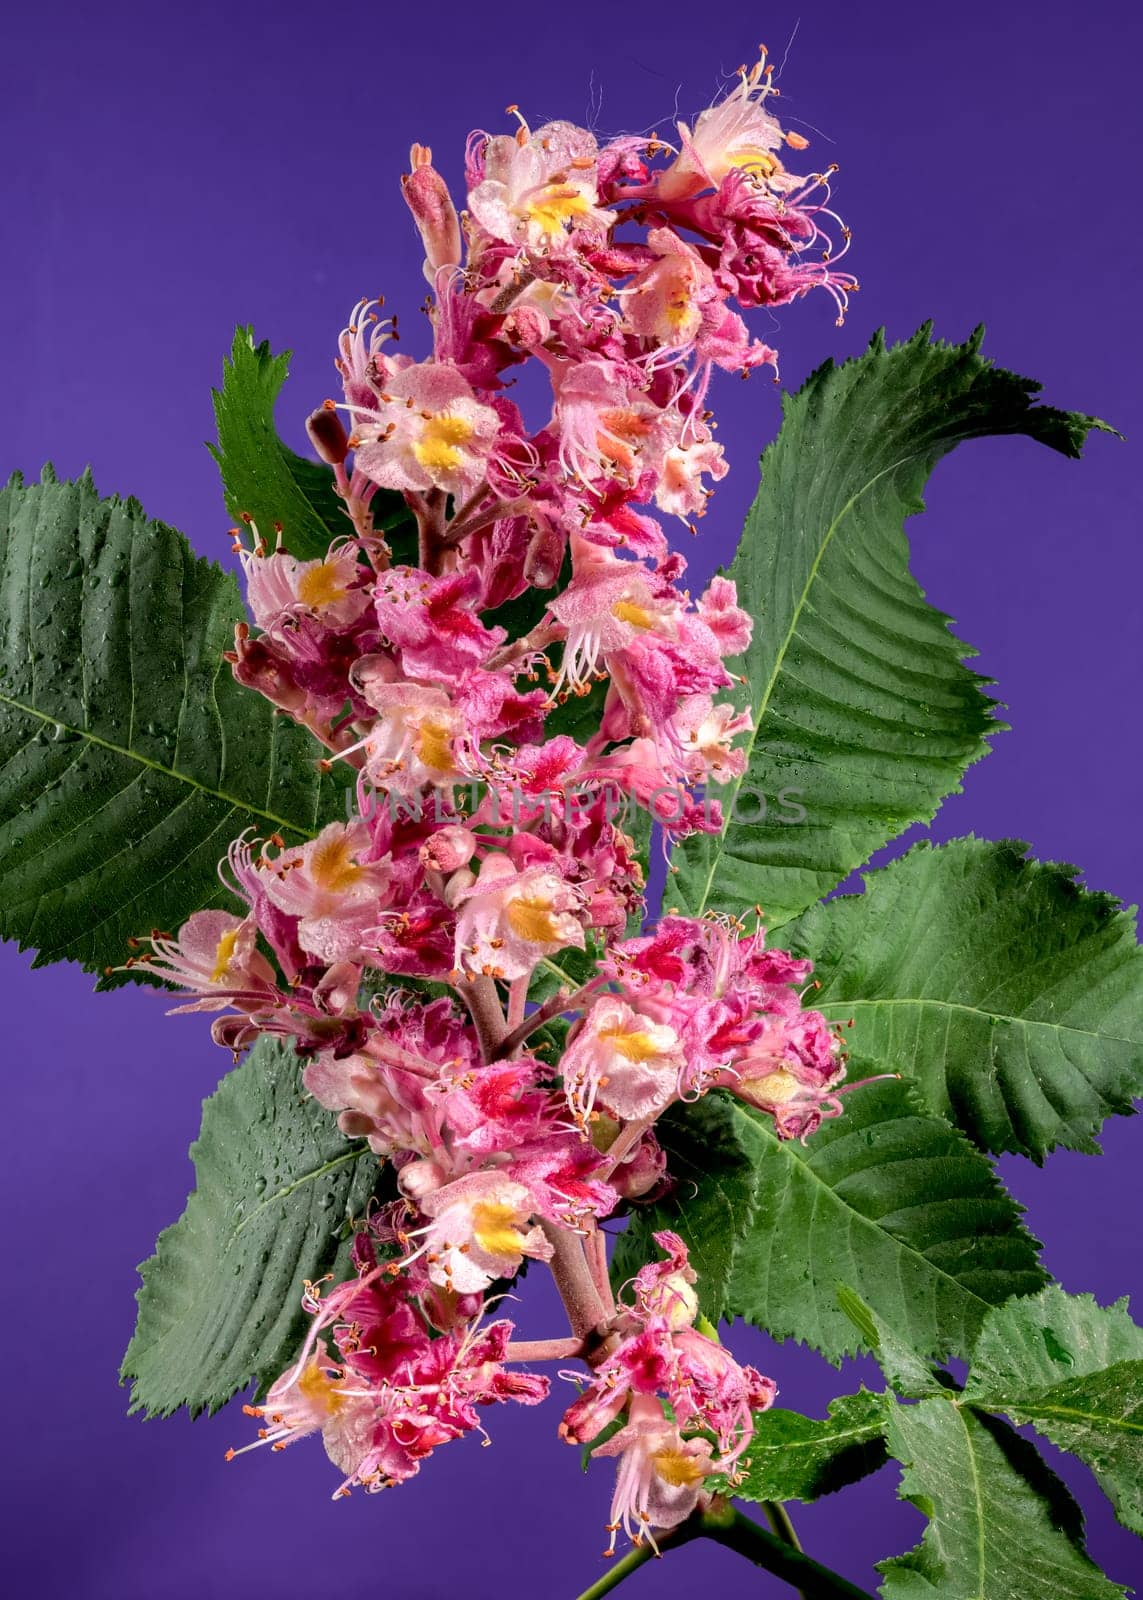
column 657, row 1354
column 420, row 954
column 382, row 1387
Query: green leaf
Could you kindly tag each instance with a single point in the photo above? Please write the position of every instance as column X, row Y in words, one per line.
column 863, row 712
column 1074, row 1370
column 1001, row 1524
column 907, row 1374
column 264, row 479
column 578, row 717
column 129, row 757
column 1012, row 997
column 276, row 1187
column 792, row 1457
column 891, row 1201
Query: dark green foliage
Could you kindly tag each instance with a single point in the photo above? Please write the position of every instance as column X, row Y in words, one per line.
column 887, row 1198
column 1010, row 996
column 860, row 701
column 276, row 1188
column 129, row 757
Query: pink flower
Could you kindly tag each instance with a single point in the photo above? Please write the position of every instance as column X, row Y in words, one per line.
column 392, row 1393
column 664, row 300
column 705, row 731
column 659, row 1475
column 663, row 1359
column 432, row 622
column 278, row 587
column 419, row 737
column 429, row 432
column 604, row 609
column 561, row 1172
column 680, row 491
column 509, row 920
column 332, row 892
column 215, row 955
column 627, row 1062
column 719, row 610
column 534, row 189
column 480, row 1229
column 737, row 134
column 607, row 428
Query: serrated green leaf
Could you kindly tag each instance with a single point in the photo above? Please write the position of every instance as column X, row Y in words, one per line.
column 896, row 1203
column 906, row 1372
column 1001, row 1524
column 276, row 1187
column 264, row 479
column 1074, row 1369
column 792, row 1457
column 1011, row 996
column 129, row 757
column 862, row 708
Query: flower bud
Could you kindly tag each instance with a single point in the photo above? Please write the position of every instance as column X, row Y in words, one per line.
column 544, row 558
column 642, row 1171
column 449, row 848
column 427, row 197
column 421, row 1178
column 327, row 435
column 258, row 665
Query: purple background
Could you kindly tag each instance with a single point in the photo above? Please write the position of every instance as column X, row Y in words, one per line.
column 172, row 171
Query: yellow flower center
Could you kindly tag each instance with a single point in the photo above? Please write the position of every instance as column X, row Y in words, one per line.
column 495, row 1229
column 679, row 1470
column 678, row 311
column 434, row 746
column 332, row 866
column 531, row 918
column 628, row 611
column 752, row 159
column 320, row 1391
column 320, row 586
column 438, row 448
column 555, row 206
column 775, row 1088
column 223, row 954
column 636, row 1046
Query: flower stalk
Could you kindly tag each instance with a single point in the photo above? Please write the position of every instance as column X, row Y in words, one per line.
column 727, row 1526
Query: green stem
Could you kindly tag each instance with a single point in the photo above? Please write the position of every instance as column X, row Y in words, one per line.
column 634, row 1559
column 722, row 1523
column 779, row 1519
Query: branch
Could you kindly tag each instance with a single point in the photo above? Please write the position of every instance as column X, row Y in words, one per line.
column 429, row 510
column 483, row 1002
column 722, row 1523
column 574, row 1281
column 461, row 526
column 543, row 1349
column 554, row 1006
column 595, row 1249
